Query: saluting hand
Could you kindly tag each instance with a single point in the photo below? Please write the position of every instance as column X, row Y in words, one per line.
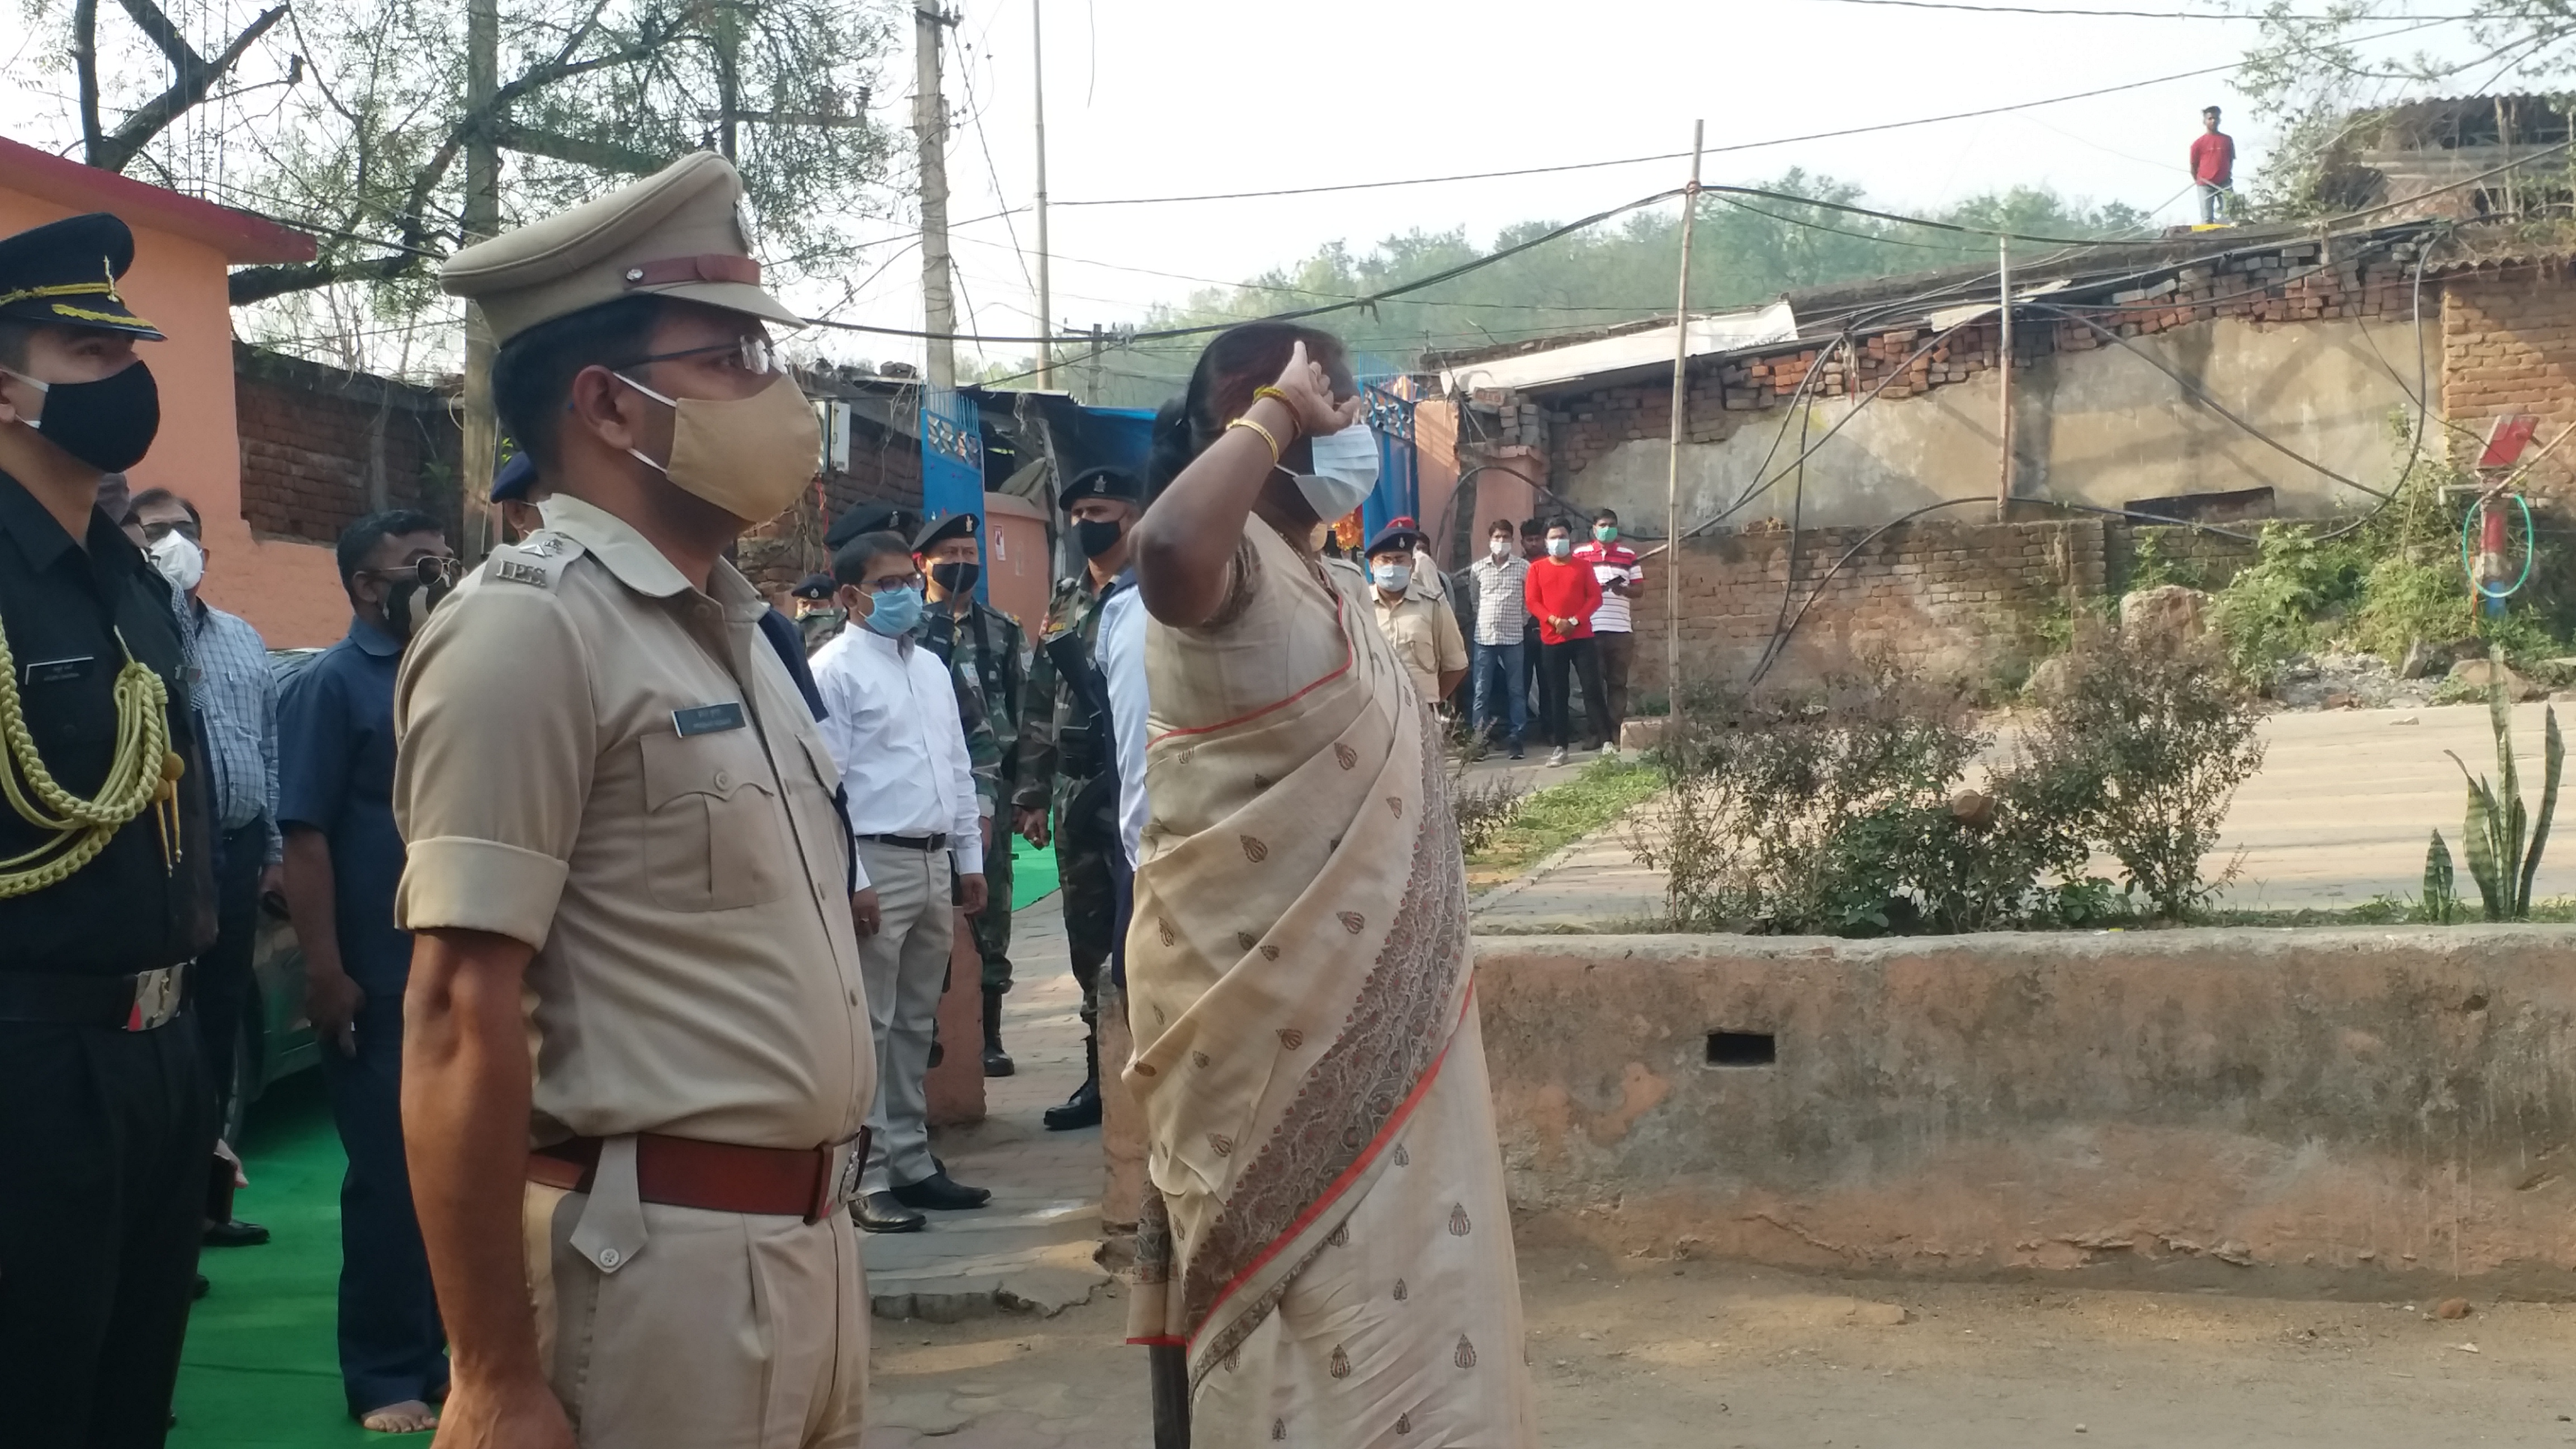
column 1310, row 396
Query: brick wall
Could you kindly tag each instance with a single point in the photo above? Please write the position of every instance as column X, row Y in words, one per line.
column 1956, row 600
column 321, row 448
column 884, row 468
column 2204, row 560
column 2291, row 284
column 2509, row 346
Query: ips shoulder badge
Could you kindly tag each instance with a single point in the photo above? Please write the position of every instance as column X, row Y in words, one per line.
column 536, row 561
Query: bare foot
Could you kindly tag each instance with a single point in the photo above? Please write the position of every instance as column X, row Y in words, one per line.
column 411, row 1416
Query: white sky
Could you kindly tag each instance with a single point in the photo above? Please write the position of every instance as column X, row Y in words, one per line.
column 1156, row 97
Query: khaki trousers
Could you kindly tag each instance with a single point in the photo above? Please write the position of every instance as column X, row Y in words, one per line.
column 904, row 966
column 723, row 1331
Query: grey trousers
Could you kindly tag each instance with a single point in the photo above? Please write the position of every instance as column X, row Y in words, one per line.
column 904, row 966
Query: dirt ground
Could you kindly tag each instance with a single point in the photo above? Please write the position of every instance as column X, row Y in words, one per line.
column 1645, row 1355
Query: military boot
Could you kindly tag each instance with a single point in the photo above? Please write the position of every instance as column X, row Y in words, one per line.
column 1082, row 1109
column 997, row 1062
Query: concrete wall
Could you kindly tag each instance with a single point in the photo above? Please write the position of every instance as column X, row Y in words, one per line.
column 2372, row 1111
column 2101, row 426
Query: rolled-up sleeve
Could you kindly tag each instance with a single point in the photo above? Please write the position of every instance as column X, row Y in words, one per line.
column 499, row 742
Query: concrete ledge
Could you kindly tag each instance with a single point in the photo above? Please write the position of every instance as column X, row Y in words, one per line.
column 2345, row 1110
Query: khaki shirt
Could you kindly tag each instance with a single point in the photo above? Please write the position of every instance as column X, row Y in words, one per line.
column 1425, row 634
column 683, row 885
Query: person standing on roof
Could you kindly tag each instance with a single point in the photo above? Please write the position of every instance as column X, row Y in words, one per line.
column 2213, row 166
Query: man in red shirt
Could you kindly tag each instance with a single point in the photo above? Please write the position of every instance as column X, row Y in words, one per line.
column 1614, row 566
column 1563, row 596
column 2213, row 165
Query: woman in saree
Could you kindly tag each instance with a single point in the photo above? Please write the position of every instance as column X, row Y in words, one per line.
column 1325, row 1232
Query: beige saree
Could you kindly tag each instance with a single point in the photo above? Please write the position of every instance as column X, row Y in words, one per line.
column 1326, row 1230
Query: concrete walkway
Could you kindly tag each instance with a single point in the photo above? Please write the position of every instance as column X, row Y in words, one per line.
column 2340, row 813
column 1030, row 1249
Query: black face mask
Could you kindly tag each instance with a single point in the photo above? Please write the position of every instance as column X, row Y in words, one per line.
column 1096, row 536
column 107, row 424
column 409, row 601
column 955, row 579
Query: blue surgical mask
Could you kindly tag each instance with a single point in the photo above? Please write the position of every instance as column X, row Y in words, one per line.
column 1343, row 473
column 1395, row 578
column 896, row 613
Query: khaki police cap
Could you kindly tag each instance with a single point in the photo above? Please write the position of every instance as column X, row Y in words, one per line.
column 672, row 234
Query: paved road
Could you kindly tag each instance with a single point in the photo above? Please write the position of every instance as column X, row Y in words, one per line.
column 2340, row 813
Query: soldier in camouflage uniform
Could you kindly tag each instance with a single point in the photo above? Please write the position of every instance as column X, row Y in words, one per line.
column 1066, row 770
column 987, row 655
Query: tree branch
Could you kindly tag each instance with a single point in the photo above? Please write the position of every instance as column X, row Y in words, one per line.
column 195, row 76
column 259, row 284
column 85, row 60
column 605, row 156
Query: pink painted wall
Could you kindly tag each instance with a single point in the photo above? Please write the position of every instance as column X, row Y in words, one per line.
column 289, row 591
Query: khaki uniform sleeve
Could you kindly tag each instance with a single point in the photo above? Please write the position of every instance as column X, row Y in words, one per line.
column 1452, row 644
column 498, row 733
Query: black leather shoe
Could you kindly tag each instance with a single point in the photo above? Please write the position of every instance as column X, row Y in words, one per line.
column 201, row 1287
column 942, row 1193
column 235, row 1234
column 1080, row 1110
column 878, row 1212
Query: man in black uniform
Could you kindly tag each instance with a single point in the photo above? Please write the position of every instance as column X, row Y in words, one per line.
column 106, row 876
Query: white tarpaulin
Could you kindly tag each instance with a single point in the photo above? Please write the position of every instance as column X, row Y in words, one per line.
column 1722, row 332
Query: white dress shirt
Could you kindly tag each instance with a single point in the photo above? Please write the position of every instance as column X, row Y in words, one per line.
column 1122, row 661
column 894, row 733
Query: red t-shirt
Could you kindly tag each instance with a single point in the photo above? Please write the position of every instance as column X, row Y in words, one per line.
column 2213, row 159
column 1560, row 588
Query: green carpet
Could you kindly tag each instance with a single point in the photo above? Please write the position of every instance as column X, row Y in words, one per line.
column 262, row 1363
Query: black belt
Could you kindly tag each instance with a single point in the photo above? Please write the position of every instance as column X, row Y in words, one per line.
column 138, row 1002
column 910, row 842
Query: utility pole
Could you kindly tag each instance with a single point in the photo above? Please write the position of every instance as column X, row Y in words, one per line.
column 1093, row 395
column 2003, row 375
column 1673, row 458
column 1046, row 286
column 482, row 219
column 930, row 132
column 728, row 78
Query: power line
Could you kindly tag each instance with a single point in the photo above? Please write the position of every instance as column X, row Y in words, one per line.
column 2054, row 10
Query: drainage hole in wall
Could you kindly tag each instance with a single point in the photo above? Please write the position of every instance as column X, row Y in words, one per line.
column 1742, row 1049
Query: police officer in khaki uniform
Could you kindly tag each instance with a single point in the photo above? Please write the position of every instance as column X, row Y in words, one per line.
column 615, row 802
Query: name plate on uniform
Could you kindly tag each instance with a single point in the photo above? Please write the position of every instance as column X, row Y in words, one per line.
column 59, row 671
column 707, row 719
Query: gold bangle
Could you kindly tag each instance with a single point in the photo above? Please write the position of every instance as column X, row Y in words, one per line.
column 1266, row 436
column 1259, row 393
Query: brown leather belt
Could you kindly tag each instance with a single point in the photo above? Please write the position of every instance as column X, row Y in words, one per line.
column 717, row 1177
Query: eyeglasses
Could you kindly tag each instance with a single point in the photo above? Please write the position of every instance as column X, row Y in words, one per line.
column 894, row 585
column 754, row 355
column 155, row 532
column 427, row 571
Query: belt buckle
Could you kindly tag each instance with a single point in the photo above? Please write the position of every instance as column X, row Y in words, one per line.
column 156, row 998
column 836, row 1184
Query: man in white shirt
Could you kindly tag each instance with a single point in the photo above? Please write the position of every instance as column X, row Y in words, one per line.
column 894, row 735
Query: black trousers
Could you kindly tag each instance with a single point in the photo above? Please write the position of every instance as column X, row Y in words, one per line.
column 1579, row 655
column 1083, row 850
column 105, row 1137
column 219, row 980
column 391, row 1345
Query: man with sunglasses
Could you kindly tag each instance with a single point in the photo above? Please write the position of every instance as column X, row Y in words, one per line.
column 638, row 1055
column 344, row 861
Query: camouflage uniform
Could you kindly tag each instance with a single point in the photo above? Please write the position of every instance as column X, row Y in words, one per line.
column 1064, row 771
column 987, row 655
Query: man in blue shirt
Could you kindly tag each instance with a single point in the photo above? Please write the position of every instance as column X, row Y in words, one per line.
column 344, row 858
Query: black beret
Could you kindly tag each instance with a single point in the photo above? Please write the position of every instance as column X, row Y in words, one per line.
column 65, row 272
column 1401, row 533
column 940, row 530
column 870, row 518
column 1104, row 482
column 813, row 586
column 516, row 477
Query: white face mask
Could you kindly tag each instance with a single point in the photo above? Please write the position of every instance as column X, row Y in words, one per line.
column 179, row 560
column 1500, row 548
column 1345, row 470
column 1559, row 547
column 1393, row 577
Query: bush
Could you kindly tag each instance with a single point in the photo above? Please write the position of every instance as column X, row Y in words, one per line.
column 2167, row 735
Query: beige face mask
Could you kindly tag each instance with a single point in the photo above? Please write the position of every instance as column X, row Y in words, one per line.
column 750, row 456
